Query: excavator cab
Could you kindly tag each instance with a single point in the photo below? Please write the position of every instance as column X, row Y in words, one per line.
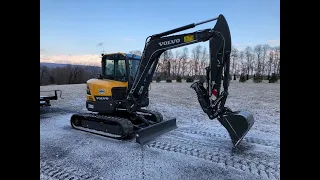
column 108, row 92
column 119, row 66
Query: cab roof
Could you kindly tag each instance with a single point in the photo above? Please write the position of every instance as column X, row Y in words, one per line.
column 131, row 56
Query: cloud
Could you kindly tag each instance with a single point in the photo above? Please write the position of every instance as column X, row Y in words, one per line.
column 89, row 59
column 42, row 50
column 274, row 42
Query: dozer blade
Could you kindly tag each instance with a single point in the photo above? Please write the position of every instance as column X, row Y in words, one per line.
column 237, row 125
column 150, row 132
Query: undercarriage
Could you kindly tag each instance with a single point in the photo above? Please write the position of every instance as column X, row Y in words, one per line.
column 144, row 124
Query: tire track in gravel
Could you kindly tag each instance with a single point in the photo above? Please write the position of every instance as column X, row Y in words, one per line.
column 45, row 177
column 62, row 172
column 267, row 156
column 226, row 149
column 257, row 167
column 261, row 127
column 246, row 139
column 142, row 163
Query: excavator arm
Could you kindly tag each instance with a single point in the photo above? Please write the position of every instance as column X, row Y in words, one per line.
column 237, row 123
column 159, row 43
column 220, row 47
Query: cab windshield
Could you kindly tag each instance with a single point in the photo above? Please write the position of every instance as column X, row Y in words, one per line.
column 115, row 68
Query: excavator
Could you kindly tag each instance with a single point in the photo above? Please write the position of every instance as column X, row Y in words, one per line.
column 118, row 97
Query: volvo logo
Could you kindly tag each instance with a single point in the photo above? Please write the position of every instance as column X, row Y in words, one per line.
column 102, row 98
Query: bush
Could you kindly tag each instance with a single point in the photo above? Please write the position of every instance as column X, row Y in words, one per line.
column 190, row 79
column 202, row 78
column 242, row 78
column 158, row 79
column 179, row 79
column 257, row 78
column 273, row 78
column 169, row 80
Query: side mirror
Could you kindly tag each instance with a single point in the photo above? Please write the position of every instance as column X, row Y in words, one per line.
column 99, row 76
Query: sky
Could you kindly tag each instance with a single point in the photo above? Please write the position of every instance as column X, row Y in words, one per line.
column 76, row 27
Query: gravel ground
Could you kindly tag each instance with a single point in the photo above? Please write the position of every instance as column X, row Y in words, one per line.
column 199, row 149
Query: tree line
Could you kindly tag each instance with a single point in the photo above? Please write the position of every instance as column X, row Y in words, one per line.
column 257, row 62
column 260, row 61
column 69, row 74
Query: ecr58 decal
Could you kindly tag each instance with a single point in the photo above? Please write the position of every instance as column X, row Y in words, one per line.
column 188, row 38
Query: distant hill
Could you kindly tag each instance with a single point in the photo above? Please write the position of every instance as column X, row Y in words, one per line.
column 52, row 65
column 55, row 65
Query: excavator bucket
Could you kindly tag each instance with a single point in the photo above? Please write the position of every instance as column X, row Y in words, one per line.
column 237, row 125
column 153, row 131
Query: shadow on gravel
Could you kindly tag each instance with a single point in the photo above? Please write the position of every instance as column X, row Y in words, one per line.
column 46, row 112
column 53, row 152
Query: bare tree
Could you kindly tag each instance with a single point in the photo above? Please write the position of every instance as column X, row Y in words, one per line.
column 179, row 59
column 278, row 59
column 242, row 68
column 276, row 62
column 75, row 74
column 184, row 57
column 92, row 71
column 164, row 59
column 70, row 74
column 252, row 60
column 190, row 67
column 44, row 75
column 174, row 62
column 265, row 49
column 159, row 67
column 249, row 58
column 234, row 55
column 258, row 51
column 204, row 61
column 195, row 55
column 270, row 62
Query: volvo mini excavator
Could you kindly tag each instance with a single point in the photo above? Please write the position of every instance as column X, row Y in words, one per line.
column 118, row 97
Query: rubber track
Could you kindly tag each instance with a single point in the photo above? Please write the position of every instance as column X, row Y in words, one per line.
column 63, row 172
column 256, row 167
column 246, row 139
column 157, row 114
column 126, row 125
